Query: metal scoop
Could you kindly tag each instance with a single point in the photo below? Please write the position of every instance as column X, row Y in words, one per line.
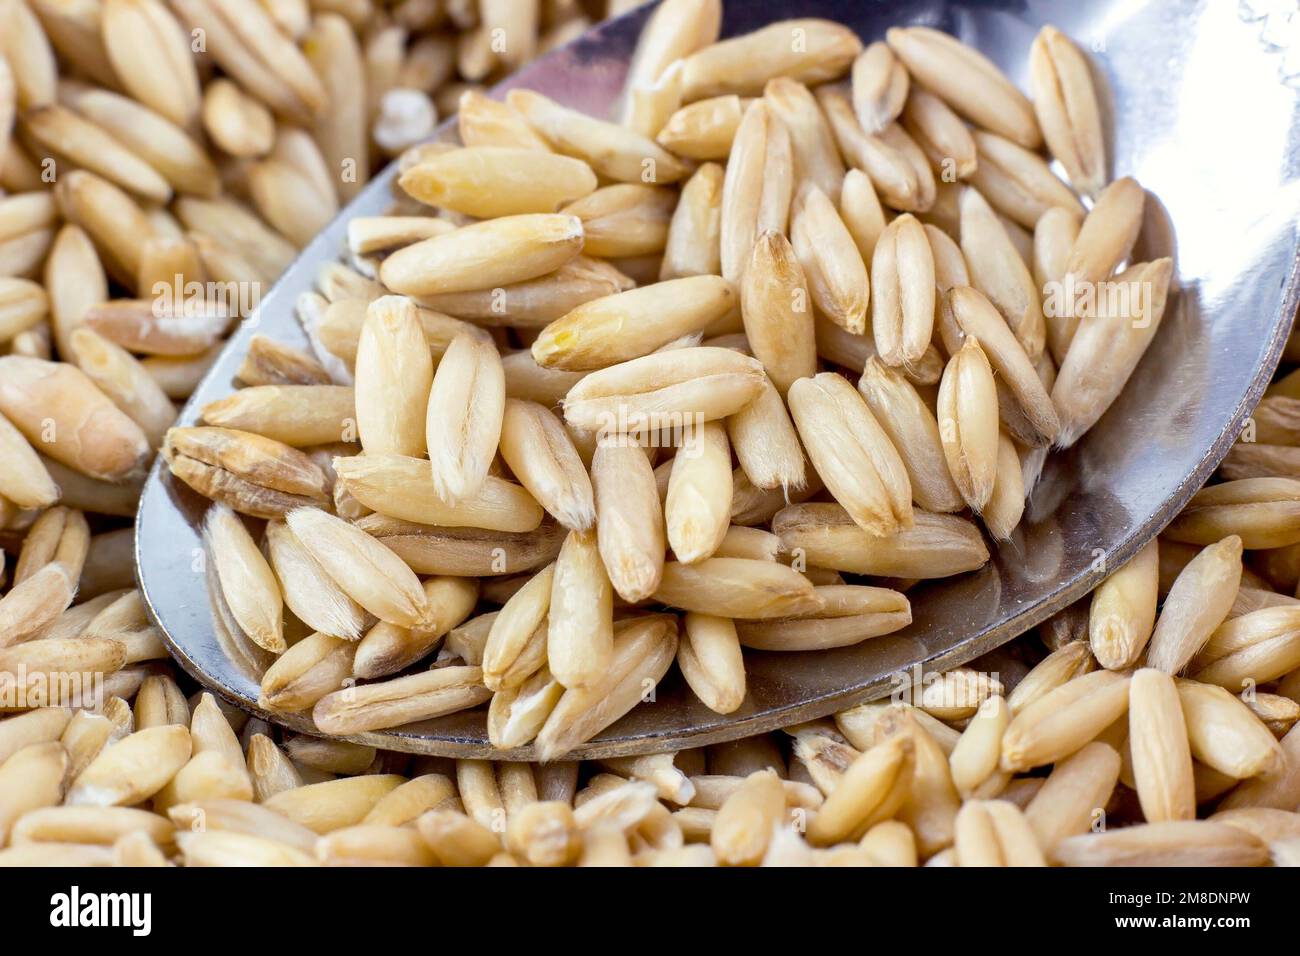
column 1197, row 110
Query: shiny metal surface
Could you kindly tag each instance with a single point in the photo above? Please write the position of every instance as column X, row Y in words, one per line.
column 1197, row 112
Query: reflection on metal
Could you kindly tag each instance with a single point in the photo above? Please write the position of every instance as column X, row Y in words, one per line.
column 1217, row 149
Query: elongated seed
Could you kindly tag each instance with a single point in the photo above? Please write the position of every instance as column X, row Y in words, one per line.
column 515, row 629
column 694, row 239
column 252, row 474
column 910, row 153
column 643, row 652
column 535, row 302
column 1063, row 720
column 778, row 178
column 914, row 433
column 889, row 168
column 334, row 804
column 665, row 389
column 747, row 818
column 57, row 407
column 1054, row 236
column 836, row 273
column 742, row 190
column 1162, row 760
column 703, row 130
column 935, row 546
column 491, row 181
column 1107, row 348
column 777, row 313
column 697, row 510
column 1123, row 610
column 112, row 219
column 69, row 671
column 1265, row 659
column 388, row 648
column 709, row 657
column 149, row 52
column 1018, row 183
column 75, row 281
column 517, row 714
column 310, row 593
column 249, row 46
column 974, row 760
column 902, row 271
column 872, row 788
column 23, row 479
column 456, row 839
column 160, row 328
column 1074, row 796
column 1108, row 233
column 630, row 324
column 1196, row 604
column 542, row 456
column 372, row 575
column 880, row 85
column 484, row 255
column 766, row 444
column 466, row 405
column 849, row 614
column 1172, row 843
column 861, row 211
column 993, row 833
column 34, row 602
column 1066, row 105
column 1263, row 512
column 31, row 780
column 625, row 220
column 675, row 30
column 247, row 582
column 630, row 524
column 401, row 700
column 133, row 769
column 614, row 152
column 1006, row 505
column 23, row 304
column 1063, row 665
column 852, row 453
column 315, row 666
column 297, row 415
column 738, row 588
column 932, row 802
column 402, row 488
column 810, row 51
column 394, row 371
column 580, row 636
column 66, row 134
column 1033, row 414
column 1225, row 735
column 998, row 271
column 816, row 157
column 940, row 133
column 968, row 423
column 967, row 80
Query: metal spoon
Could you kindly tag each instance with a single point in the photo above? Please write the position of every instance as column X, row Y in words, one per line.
column 1215, row 148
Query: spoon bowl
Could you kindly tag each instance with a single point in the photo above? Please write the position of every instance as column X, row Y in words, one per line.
column 1216, row 146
